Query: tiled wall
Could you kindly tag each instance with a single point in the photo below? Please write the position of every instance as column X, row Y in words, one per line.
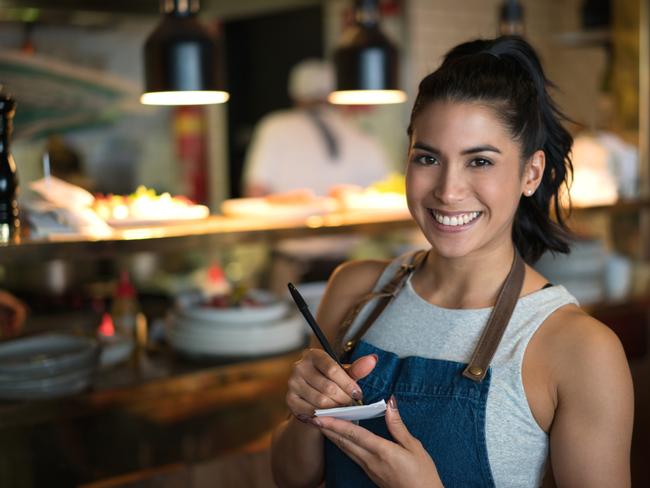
column 434, row 26
column 426, row 29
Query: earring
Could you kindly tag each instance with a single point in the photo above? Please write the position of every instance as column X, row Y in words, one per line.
column 529, row 192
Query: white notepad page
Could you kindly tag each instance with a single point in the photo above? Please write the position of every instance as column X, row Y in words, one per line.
column 361, row 412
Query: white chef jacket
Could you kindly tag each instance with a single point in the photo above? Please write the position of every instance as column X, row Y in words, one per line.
column 288, row 151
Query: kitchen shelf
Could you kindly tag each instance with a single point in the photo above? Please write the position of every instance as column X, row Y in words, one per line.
column 226, row 231
column 213, row 231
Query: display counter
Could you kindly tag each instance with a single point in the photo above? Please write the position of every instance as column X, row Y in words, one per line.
column 213, row 231
column 155, row 412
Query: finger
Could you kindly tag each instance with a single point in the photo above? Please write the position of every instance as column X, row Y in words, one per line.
column 360, row 436
column 362, row 366
column 299, row 406
column 330, row 389
column 354, row 452
column 396, row 426
column 337, row 374
column 317, row 398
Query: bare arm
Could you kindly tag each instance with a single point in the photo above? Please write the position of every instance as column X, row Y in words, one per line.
column 297, row 458
column 591, row 433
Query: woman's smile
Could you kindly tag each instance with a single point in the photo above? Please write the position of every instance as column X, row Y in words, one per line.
column 454, row 221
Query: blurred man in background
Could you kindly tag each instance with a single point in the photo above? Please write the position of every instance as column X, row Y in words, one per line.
column 309, row 150
column 313, row 145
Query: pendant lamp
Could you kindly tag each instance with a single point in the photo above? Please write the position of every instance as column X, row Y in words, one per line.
column 366, row 62
column 181, row 59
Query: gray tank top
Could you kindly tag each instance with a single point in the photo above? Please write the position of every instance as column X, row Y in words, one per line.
column 410, row 326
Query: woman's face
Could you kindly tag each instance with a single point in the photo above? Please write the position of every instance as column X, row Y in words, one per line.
column 463, row 181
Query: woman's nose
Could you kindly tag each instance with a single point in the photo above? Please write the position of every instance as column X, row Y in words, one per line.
column 450, row 187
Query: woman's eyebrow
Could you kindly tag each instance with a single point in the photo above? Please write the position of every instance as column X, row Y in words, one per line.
column 483, row 148
column 425, row 147
column 471, row 150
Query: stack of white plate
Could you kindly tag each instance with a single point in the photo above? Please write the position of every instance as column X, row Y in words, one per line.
column 46, row 366
column 200, row 331
column 581, row 272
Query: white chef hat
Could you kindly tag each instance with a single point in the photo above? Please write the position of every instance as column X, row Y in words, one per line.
column 311, row 80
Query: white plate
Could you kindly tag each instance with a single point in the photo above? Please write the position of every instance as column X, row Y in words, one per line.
column 585, row 291
column 52, row 387
column 278, row 338
column 261, row 208
column 261, row 334
column 200, row 213
column 248, row 349
column 45, row 355
column 63, row 388
column 272, row 309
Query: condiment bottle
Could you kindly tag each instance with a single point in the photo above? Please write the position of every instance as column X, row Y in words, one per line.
column 125, row 307
column 9, row 216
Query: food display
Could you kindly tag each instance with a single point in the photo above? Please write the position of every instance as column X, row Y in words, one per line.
column 296, row 204
column 388, row 195
column 145, row 206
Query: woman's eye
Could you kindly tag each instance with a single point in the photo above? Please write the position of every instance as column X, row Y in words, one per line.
column 424, row 159
column 480, row 162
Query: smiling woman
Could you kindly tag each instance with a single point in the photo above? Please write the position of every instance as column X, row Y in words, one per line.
column 490, row 371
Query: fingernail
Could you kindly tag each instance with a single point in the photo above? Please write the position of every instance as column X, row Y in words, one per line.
column 375, row 356
column 392, row 402
column 316, row 422
column 356, row 394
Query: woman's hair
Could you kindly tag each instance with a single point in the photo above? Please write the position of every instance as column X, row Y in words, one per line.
column 506, row 74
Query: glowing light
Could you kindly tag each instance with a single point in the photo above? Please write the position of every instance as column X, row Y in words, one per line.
column 366, row 97
column 202, row 97
column 315, row 221
column 106, row 328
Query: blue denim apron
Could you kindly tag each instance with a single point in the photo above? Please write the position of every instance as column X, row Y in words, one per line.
column 439, row 406
column 442, row 403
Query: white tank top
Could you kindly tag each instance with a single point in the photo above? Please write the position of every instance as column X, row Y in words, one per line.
column 410, row 326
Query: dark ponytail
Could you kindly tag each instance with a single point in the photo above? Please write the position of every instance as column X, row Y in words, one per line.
column 506, row 74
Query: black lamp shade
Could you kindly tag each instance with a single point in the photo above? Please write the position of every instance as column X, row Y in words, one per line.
column 368, row 62
column 366, row 66
column 181, row 64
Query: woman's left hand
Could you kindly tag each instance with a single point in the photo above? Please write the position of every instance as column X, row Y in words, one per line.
column 404, row 462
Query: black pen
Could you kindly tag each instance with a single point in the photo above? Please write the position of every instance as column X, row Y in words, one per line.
column 304, row 310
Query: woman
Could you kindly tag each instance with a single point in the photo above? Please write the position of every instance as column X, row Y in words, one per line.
column 469, row 403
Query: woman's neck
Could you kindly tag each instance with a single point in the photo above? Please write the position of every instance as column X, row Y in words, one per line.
column 466, row 282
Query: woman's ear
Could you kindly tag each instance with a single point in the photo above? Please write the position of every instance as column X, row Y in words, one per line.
column 533, row 173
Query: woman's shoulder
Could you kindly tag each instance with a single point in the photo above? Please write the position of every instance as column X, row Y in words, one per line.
column 348, row 284
column 572, row 327
column 581, row 348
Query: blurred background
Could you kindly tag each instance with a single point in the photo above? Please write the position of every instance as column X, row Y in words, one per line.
column 155, row 241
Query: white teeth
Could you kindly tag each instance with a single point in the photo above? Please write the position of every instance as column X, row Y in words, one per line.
column 456, row 220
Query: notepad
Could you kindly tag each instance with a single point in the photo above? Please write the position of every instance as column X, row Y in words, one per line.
column 362, row 412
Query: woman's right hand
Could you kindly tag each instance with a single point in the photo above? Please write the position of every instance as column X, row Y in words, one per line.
column 317, row 381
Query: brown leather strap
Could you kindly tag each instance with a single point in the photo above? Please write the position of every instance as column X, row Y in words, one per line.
column 499, row 318
column 385, row 295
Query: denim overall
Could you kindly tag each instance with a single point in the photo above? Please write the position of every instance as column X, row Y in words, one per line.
column 439, row 404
